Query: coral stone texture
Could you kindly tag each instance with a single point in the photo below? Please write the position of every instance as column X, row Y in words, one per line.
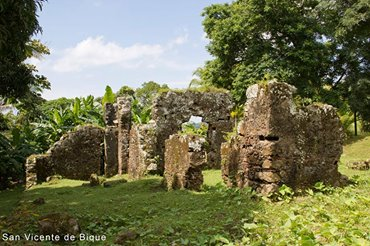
column 76, row 155
column 171, row 109
column 124, row 126
column 79, row 153
column 278, row 143
column 111, row 140
column 142, row 152
column 184, row 158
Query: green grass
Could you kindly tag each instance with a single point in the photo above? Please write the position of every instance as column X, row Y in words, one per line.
column 356, row 149
column 215, row 216
column 143, row 206
column 9, row 200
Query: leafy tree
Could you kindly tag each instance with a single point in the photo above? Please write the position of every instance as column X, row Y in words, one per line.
column 18, row 22
column 56, row 103
column 359, row 99
column 315, row 45
column 125, row 90
column 15, row 146
column 251, row 38
column 58, row 121
column 142, row 101
column 148, row 91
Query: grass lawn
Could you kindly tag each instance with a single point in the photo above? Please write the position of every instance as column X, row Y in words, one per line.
column 215, row 216
column 9, row 200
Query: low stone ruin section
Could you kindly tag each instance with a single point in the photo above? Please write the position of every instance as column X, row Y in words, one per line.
column 76, row 155
column 142, row 155
column 185, row 156
column 38, row 168
column 278, row 143
column 171, row 109
column 359, row 165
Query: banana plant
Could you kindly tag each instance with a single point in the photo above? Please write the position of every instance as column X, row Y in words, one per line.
column 140, row 114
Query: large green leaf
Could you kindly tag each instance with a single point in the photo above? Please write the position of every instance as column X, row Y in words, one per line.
column 109, row 96
column 76, row 107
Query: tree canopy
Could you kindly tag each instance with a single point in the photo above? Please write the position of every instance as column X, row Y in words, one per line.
column 18, row 22
column 148, row 91
column 315, row 45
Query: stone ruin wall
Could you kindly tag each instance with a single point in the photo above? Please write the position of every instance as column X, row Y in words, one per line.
column 76, row 155
column 185, row 156
column 117, row 134
column 138, row 149
column 124, row 126
column 142, row 152
column 172, row 109
column 278, row 143
column 38, row 168
column 111, row 140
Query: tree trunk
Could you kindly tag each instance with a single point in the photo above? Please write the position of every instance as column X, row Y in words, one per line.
column 355, row 121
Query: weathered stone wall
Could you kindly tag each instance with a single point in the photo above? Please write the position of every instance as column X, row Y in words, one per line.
column 79, row 153
column 38, row 168
column 124, row 126
column 184, row 158
column 280, row 144
column 111, row 140
column 111, row 151
column 171, row 109
column 142, row 152
column 76, row 155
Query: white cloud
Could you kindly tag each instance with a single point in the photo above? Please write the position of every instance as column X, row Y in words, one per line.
column 93, row 52
column 182, row 39
column 179, row 40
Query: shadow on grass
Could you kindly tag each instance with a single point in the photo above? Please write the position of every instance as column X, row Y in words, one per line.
column 144, row 206
column 354, row 139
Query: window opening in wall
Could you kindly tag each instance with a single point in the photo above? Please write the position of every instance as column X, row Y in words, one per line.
column 195, row 126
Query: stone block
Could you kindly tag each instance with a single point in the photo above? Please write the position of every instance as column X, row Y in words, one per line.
column 184, row 158
column 111, row 151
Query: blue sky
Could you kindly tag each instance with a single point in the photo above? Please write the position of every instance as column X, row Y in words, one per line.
column 95, row 43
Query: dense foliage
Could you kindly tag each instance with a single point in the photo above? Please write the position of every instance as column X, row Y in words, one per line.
column 18, row 22
column 20, row 137
column 142, row 99
column 57, row 121
column 20, row 85
column 319, row 46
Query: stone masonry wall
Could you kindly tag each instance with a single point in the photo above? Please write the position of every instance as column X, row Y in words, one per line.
column 278, row 143
column 184, row 158
column 79, row 153
column 111, row 151
column 111, row 140
column 142, row 155
column 171, row 109
column 38, row 168
column 124, row 126
column 76, row 155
